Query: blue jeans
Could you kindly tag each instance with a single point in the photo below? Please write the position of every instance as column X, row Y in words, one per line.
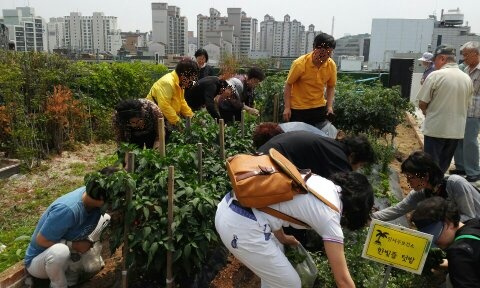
column 441, row 150
column 466, row 154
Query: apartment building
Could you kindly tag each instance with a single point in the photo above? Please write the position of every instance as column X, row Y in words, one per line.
column 170, row 28
column 26, row 31
column 56, row 34
column 92, row 34
column 286, row 38
column 232, row 34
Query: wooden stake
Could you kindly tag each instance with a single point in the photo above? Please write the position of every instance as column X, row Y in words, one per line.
column 200, row 162
column 242, row 123
column 130, row 160
column 275, row 108
column 221, row 124
column 161, row 136
column 169, row 280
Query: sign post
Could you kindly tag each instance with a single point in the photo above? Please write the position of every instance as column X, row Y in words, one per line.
column 397, row 246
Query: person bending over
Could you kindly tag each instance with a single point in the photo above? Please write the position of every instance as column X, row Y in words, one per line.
column 256, row 238
column 427, row 180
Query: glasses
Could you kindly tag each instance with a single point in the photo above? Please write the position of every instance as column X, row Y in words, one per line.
column 411, row 176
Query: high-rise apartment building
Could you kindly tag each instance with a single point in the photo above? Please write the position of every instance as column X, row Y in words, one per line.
column 169, row 28
column 56, row 34
column 26, row 31
column 235, row 33
column 285, row 38
column 92, row 34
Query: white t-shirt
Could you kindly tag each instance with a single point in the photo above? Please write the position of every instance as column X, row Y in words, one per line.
column 309, row 209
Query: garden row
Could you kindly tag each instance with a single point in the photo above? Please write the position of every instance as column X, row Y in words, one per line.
column 39, row 95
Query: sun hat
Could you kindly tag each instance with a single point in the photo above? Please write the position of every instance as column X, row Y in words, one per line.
column 427, row 57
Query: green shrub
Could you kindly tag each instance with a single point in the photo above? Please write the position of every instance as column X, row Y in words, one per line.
column 371, row 109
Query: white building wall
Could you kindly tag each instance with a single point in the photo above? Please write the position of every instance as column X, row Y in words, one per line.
column 56, row 34
column 391, row 36
column 98, row 32
column 114, row 42
column 160, row 22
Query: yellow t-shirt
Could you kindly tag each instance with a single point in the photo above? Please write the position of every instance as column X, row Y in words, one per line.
column 169, row 97
column 309, row 82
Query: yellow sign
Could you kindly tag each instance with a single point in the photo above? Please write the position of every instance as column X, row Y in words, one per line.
column 397, row 246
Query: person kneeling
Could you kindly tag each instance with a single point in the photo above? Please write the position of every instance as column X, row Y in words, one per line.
column 61, row 237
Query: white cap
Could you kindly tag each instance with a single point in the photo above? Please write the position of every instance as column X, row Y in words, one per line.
column 427, row 57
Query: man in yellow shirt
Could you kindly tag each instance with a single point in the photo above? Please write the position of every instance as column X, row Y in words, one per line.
column 168, row 91
column 310, row 76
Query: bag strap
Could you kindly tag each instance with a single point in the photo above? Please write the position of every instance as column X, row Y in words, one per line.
column 467, row 236
column 283, row 216
column 321, row 198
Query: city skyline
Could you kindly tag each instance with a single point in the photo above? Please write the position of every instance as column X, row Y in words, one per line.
column 353, row 17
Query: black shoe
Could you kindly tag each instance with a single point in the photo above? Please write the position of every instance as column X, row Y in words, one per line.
column 456, row 171
column 473, row 178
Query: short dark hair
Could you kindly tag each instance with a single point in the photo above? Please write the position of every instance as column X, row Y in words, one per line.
column 264, row 132
column 186, row 67
column 421, row 164
column 93, row 183
column 127, row 109
column 357, row 198
column 324, row 40
column 256, row 73
column 359, row 149
column 435, row 209
column 201, row 52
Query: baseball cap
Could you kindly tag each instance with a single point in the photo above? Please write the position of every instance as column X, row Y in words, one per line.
column 427, row 57
column 444, row 50
column 435, row 229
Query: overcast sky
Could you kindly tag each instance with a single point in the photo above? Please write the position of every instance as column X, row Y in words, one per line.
column 351, row 16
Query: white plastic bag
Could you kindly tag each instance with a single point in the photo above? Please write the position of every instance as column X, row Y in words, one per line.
column 303, row 264
column 92, row 260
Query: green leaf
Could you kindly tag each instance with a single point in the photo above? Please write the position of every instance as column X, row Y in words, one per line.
column 146, row 231
column 186, row 251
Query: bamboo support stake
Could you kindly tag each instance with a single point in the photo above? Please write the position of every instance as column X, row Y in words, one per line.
column 275, row 108
column 130, row 158
column 242, row 123
column 169, row 280
column 200, row 162
column 161, row 136
column 188, row 123
column 221, row 124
